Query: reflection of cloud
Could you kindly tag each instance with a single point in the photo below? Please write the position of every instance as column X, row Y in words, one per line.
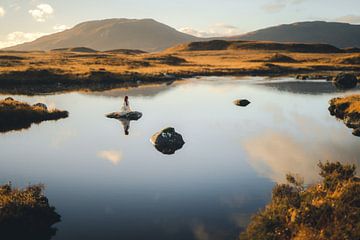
column 273, row 154
column 111, row 155
column 200, row 232
column 63, row 136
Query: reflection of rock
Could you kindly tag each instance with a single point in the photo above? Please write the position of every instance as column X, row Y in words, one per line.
column 167, row 141
column 125, row 118
column 242, row 102
column 356, row 132
column 345, row 81
column 125, row 115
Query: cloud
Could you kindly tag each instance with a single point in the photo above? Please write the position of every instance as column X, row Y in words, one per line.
column 42, row 12
column 60, row 28
column 15, row 38
column 216, row 30
column 279, row 5
column 349, row 19
column 2, row 11
column 112, row 156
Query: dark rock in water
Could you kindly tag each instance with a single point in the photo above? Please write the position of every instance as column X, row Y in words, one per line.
column 242, row 102
column 41, row 105
column 9, row 99
column 167, row 141
column 345, row 81
column 302, row 77
column 133, row 116
column 356, row 132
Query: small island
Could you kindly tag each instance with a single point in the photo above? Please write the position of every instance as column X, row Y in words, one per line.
column 16, row 115
column 348, row 110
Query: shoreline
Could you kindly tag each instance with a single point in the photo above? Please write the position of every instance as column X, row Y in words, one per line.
column 48, row 82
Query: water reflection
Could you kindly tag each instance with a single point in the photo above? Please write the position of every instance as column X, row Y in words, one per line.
column 113, row 156
column 208, row 190
column 275, row 153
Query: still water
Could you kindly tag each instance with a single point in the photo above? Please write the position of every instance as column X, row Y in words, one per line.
column 107, row 185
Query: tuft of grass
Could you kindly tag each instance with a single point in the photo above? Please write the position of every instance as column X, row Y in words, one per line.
column 329, row 210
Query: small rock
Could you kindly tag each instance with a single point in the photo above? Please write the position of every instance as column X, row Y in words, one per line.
column 41, row 105
column 345, row 81
column 133, row 116
column 167, row 141
column 242, row 102
column 9, row 99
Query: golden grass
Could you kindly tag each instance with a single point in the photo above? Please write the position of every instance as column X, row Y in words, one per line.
column 196, row 61
column 352, row 102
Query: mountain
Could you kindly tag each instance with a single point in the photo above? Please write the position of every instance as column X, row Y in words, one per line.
column 342, row 35
column 145, row 34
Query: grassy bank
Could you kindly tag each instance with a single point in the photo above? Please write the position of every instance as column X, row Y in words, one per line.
column 15, row 115
column 26, row 213
column 329, row 210
column 348, row 110
column 67, row 69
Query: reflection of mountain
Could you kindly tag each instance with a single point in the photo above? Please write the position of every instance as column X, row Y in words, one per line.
column 150, row 90
column 275, row 153
column 304, row 87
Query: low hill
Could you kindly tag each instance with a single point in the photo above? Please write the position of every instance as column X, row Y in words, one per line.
column 216, row 45
column 144, row 34
column 75, row 49
column 341, row 35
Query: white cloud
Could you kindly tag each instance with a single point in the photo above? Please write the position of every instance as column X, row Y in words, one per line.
column 279, row 5
column 349, row 19
column 42, row 12
column 2, row 11
column 114, row 157
column 216, row 30
column 15, row 38
column 60, row 28
column 18, row 37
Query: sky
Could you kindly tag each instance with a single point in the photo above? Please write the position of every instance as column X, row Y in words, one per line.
column 26, row 20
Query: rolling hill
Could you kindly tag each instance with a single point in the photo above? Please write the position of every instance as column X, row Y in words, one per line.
column 341, row 35
column 145, row 34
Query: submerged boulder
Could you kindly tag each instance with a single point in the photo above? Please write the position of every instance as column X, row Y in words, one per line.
column 242, row 102
column 133, row 116
column 345, row 81
column 167, row 141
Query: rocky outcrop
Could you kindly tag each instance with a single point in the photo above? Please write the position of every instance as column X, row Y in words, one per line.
column 345, row 81
column 242, row 102
column 167, row 141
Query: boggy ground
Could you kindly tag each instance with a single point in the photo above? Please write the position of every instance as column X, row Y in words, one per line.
column 15, row 115
column 348, row 110
column 72, row 69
